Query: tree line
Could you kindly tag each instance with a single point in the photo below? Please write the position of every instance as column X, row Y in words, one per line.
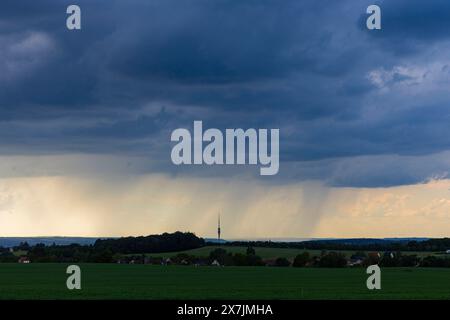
column 442, row 244
column 132, row 249
column 326, row 259
column 104, row 250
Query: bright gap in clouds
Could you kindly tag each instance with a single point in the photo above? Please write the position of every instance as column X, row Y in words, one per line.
column 148, row 204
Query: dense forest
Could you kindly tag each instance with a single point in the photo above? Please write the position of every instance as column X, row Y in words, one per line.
column 165, row 242
column 105, row 250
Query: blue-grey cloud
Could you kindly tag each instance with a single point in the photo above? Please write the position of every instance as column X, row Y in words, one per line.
column 139, row 69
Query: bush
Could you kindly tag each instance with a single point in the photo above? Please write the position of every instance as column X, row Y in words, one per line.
column 250, row 251
column 435, row 262
column 240, row 260
column 410, row 261
column 372, row 258
column 222, row 256
column 254, row 260
column 8, row 257
column 390, row 259
column 332, row 260
column 282, row 262
column 301, row 260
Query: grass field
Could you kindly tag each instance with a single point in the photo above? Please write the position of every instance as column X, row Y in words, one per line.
column 265, row 253
column 114, row 281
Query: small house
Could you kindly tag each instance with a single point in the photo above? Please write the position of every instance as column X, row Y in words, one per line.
column 24, row 260
column 269, row 262
column 215, row 263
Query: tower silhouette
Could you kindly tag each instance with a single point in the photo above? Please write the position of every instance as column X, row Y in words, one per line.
column 218, row 230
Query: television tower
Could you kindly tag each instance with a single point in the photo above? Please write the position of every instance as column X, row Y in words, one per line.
column 218, row 230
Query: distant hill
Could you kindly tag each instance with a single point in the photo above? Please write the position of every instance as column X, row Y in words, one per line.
column 331, row 240
column 214, row 240
column 15, row 241
column 369, row 241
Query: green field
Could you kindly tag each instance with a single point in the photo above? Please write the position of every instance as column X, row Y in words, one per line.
column 266, row 253
column 115, row 281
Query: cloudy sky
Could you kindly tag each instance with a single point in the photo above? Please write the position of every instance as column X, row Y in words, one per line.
column 86, row 117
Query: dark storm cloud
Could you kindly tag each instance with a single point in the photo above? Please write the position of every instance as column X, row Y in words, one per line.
column 139, row 69
column 217, row 42
column 410, row 26
column 416, row 20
